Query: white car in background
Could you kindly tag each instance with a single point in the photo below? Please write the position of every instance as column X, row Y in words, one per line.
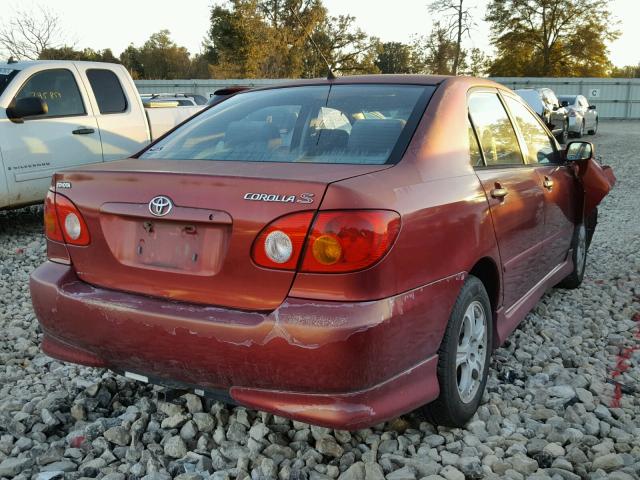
column 59, row 114
column 582, row 116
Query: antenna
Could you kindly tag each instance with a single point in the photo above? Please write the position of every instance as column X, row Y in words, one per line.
column 330, row 74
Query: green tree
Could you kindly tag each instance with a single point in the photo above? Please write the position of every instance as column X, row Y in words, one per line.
column 396, row 57
column 550, row 37
column 238, row 39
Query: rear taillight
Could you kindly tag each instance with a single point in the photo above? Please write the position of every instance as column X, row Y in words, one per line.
column 279, row 245
column 51, row 226
column 63, row 221
column 339, row 241
column 350, row 240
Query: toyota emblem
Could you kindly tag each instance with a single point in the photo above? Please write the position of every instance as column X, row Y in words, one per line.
column 160, row 205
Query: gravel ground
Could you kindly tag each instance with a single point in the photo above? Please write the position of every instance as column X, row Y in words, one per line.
column 552, row 407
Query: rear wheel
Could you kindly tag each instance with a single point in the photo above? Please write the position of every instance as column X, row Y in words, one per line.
column 594, row 130
column 463, row 358
column 579, row 246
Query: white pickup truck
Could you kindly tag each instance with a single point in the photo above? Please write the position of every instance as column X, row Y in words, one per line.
column 60, row 114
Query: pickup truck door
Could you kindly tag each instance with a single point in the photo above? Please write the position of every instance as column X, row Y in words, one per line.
column 119, row 112
column 66, row 136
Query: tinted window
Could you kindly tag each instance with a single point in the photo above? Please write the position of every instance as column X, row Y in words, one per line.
column 475, row 157
column 107, row 90
column 541, row 148
column 56, row 87
column 361, row 124
column 495, row 132
column 570, row 99
column 6, row 75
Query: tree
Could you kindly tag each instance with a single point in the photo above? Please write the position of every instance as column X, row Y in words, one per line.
column 396, row 57
column 28, row 33
column 347, row 48
column 437, row 51
column 550, row 37
column 69, row 53
column 628, row 71
column 158, row 58
column 458, row 22
column 278, row 38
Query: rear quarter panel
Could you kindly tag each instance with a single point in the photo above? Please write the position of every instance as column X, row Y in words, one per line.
column 446, row 223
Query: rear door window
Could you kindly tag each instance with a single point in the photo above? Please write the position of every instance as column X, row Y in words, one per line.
column 356, row 124
column 107, row 90
column 540, row 147
column 496, row 134
column 58, row 88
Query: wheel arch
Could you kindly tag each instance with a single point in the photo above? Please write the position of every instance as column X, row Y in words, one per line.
column 486, row 270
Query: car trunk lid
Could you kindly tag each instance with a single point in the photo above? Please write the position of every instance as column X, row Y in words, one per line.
column 199, row 251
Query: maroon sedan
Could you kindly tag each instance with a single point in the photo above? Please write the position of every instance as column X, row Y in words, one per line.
column 335, row 251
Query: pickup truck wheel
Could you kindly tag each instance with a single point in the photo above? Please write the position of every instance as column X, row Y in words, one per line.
column 463, row 357
column 594, row 130
column 579, row 246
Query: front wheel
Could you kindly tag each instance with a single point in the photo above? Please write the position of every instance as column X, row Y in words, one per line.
column 594, row 130
column 463, row 357
column 579, row 245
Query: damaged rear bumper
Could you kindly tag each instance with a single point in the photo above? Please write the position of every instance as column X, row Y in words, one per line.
column 342, row 365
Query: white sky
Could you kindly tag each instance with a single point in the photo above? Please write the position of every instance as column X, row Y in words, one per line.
column 116, row 23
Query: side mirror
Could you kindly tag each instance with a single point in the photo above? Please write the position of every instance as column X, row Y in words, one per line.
column 565, row 103
column 26, row 107
column 592, row 107
column 579, row 151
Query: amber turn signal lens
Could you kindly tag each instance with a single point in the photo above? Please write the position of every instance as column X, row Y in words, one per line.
column 327, row 249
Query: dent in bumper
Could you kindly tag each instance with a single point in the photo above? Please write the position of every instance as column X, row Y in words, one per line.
column 305, row 359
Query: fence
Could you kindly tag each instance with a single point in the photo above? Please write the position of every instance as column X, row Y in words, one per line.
column 613, row 97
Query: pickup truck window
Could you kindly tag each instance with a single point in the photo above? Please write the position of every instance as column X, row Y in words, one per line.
column 107, row 90
column 58, row 88
column 6, row 75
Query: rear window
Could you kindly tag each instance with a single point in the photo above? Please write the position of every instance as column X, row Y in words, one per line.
column 107, row 90
column 356, row 124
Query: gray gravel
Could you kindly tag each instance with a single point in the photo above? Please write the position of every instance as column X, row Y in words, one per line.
column 550, row 410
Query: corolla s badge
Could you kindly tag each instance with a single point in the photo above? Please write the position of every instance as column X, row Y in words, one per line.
column 272, row 197
column 160, row 205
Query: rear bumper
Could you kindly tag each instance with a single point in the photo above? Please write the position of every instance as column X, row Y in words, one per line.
column 342, row 365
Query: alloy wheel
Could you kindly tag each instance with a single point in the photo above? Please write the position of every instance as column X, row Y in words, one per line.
column 471, row 351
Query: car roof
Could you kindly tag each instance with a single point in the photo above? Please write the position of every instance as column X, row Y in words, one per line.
column 384, row 79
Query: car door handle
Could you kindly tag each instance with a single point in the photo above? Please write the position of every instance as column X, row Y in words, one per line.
column 83, row 131
column 548, row 183
column 499, row 192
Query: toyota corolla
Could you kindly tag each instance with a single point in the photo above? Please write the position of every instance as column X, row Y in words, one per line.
column 335, row 251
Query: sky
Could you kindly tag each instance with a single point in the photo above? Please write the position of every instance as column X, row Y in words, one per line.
column 117, row 23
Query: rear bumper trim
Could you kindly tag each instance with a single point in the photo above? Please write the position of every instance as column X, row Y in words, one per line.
column 339, row 364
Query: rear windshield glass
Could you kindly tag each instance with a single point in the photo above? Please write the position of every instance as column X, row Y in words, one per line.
column 357, row 124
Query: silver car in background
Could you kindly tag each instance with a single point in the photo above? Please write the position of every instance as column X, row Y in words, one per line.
column 582, row 116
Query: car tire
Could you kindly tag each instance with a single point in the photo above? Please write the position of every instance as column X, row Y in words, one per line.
column 579, row 247
column 594, row 130
column 463, row 357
